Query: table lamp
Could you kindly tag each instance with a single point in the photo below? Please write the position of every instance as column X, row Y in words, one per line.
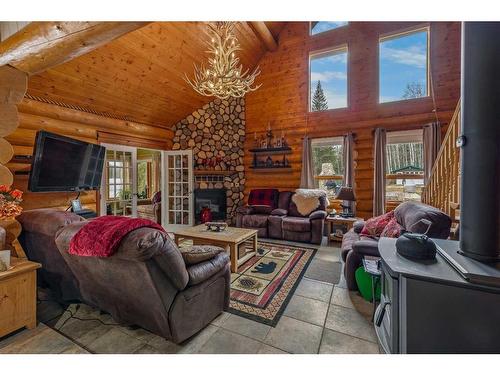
column 346, row 194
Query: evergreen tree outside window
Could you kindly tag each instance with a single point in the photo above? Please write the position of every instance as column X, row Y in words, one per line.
column 319, row 102
column 328, row 80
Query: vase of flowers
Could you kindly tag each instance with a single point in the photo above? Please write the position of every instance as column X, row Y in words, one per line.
column 10, row 207
column 10, row 202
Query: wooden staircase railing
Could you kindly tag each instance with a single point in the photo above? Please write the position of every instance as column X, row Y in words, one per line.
column 442, row 188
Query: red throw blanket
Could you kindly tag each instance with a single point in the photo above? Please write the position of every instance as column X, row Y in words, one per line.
column 101, row 237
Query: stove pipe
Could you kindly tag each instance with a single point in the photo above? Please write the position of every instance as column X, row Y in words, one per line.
column 480, row 142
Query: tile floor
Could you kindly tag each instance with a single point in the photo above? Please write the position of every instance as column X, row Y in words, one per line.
column 320, row 318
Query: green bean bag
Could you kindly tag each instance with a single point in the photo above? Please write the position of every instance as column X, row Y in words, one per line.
column 364, row 281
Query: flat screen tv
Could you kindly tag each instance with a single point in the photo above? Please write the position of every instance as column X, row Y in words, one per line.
column 65, row 164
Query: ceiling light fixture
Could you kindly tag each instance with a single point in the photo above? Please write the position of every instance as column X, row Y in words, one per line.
column 223, row 76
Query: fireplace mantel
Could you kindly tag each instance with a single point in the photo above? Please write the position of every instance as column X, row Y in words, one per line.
column 204, row 172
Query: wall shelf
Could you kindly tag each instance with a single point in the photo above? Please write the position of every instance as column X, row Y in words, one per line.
column 272, row 151
column 266, row 165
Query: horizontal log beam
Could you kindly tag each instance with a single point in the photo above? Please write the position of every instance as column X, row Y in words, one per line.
column 52, row 111
column 262, row 32
column 43, row 45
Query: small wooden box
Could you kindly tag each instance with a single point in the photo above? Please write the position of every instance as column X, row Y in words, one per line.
column 18, row 296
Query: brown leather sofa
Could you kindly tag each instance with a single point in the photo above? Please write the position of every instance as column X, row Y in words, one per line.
column 283, row 221
column 409, row 215
column 145, row 283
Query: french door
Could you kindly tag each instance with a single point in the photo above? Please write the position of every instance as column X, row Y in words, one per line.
column 177, row 189
column 119, row 181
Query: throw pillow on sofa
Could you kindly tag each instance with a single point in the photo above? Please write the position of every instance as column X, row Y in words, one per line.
column 393, row 229
column 375, row 225
column 197, row 254
column 263, row 197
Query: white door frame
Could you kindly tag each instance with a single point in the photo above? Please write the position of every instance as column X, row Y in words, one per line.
column 164, row 190
column 102, row 192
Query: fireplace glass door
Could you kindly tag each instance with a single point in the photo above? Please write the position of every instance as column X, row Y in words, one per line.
column 178, row 189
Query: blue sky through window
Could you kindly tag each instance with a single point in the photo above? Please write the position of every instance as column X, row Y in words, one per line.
column 322, row 26
column 331, row 70
column 403, row 61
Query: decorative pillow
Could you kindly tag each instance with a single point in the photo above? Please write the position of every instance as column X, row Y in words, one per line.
column 198, row 254
column 263, row 197
column 392, row 229
column 375, row 225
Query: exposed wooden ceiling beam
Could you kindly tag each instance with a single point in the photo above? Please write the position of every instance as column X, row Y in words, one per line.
column 43, row 45
column 263, row 33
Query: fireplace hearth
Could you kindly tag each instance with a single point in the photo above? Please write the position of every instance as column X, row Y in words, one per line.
column 215, row 199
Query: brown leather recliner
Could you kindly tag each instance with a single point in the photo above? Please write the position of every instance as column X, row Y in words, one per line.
column 147, row 283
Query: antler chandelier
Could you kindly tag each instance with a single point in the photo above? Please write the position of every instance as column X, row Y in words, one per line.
column 223, row 76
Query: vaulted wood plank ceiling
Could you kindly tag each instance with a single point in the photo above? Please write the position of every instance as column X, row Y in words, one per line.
column 140, row 75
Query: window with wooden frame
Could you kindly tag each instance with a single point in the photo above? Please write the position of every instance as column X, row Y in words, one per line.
column 119, row 175
column 404, row 166
column 328, row 163
column 328, row 79
column 404, row 66
column 318, row 27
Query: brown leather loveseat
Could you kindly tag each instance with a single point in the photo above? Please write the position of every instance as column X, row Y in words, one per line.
column 145, row 283
column 282, row 220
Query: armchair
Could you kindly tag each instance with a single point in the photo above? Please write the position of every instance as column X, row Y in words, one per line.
column 150, row 208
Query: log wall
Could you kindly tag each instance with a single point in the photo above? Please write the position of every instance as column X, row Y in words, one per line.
column 283, row 97
column 35, row 115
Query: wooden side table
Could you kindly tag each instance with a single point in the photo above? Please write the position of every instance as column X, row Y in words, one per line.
column 18, row 296
column 344, row 224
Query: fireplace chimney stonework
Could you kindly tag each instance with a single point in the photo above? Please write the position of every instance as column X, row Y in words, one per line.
column 216, row 134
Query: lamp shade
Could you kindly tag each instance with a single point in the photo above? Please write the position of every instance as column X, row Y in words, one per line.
column 346, row 194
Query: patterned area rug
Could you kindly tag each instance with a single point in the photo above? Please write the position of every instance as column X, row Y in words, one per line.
column 263, row 286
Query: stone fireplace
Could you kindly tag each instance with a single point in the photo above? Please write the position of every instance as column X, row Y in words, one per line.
column 216, row 134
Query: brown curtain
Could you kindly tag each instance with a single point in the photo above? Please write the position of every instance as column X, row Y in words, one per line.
column 432, row 143
column 379, row 172
column 348, row 150
column 307, row 174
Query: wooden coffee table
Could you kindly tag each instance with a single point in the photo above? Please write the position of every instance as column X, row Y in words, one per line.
column 230, row 239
